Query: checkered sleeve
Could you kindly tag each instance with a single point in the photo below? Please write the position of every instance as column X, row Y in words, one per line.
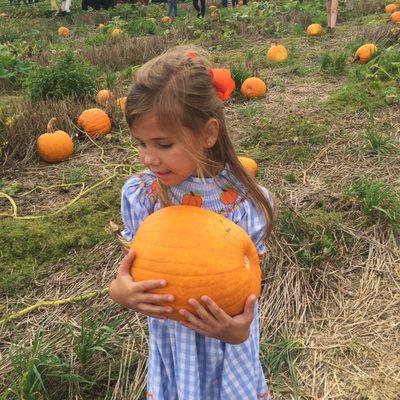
column 135, row 206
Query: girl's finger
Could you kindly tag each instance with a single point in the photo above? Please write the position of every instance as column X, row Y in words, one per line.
column 155, row 298
column 202, row 312
column 194, row 328
column 218, row 313
column 153, row 309
column 193, row 320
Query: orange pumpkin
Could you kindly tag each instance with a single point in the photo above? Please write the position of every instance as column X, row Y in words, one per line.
column 390, row 8
column 228, row 196
column 116, row 32
column 202, row 253
column 213, row 7
column 100, row 26
column 314, row 30
column 121, row 103
column 103, row 96
column 253, row 87
column 63, row 31
column 365, row 52
column 277, row 53
column 166, row 19
column 214, row 14
column 249, row 165
column 94, row 122
column 192, row 199
column 395, row 17
column 54, row 145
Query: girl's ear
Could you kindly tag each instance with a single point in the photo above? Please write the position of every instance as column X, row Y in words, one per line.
column 210, row 133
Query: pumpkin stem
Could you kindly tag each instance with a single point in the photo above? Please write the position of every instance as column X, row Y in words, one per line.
column 50, row 125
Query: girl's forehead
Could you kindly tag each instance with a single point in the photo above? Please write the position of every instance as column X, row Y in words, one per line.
column 149, row 125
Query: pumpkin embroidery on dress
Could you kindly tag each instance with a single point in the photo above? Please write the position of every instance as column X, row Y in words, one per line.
column 154, row 187
column 192, row 199
column 228, row 196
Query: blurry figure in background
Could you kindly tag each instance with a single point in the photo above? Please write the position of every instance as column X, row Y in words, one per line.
column 172, row 8
column 331, row 12
column 98, row 4
column 200, row 7
column 54, row 5
column 64, row 8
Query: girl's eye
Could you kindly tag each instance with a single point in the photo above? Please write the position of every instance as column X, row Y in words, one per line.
column 165, row 146
column 139, row 144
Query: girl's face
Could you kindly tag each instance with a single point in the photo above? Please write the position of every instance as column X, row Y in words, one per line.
column 162, row 152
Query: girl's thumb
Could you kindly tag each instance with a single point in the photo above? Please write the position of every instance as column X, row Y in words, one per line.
column 126, row 263
column 249, row 307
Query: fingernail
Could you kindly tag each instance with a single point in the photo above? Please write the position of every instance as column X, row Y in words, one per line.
column 170, row 298
column 163, row 283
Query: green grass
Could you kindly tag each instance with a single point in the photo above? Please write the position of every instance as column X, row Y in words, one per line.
column 30, row 246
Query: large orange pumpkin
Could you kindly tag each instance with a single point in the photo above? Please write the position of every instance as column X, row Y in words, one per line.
column 395, row 17
column 54, row 145
column 391, row 8
column 63, row 31
column 94, row 122
column 365, row 52
column 249, row 165
column 103, row 96
column 253, row 87
column 277, row 53
column 314, row 30
column 198, row 252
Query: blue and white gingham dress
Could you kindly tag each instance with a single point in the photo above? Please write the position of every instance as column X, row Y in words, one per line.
column 183, row 364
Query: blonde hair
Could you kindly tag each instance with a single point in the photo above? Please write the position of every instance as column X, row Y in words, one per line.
column 178, row 89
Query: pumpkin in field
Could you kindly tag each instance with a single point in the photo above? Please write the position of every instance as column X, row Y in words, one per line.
column 277, row 53
column 100, row 26
column 214, row 14
column 54, row 145
column 249, row 165
column 166, row 19
column 103, row 96
column 314, row 30
column 121, row 103
column 365, row 52
column 390, row 8
column 192, row 199
column 63, row 31
column 253, row 87
column 198, row 252
column 213, row 7
column 395, row 17
column 116, row 32
column 94, row 122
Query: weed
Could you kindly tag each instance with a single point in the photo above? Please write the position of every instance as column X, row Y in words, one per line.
column 333, row 63
column 278, row 356
column 378, row 143
column 377, row 200
column 290, row 177
column 92, row 338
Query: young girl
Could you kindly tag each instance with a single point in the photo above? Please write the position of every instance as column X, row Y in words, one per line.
column 176, row 117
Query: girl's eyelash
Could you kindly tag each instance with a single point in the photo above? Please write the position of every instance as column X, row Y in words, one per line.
column 165, row 146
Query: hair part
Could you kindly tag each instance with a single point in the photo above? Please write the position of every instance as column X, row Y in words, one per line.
column 179, row 90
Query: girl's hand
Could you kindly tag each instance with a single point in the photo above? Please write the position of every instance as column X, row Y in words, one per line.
column 212, row 321
column 125, row 291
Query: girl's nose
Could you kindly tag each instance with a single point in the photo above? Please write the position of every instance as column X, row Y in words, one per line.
column 149, row 159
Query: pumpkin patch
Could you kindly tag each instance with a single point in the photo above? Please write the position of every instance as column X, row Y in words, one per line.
column 314, row 30
column 94, row 122
column 277, row 53
column 219, row 260
column 253, row 87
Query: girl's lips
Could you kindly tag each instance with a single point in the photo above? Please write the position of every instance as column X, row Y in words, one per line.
column 161, row 173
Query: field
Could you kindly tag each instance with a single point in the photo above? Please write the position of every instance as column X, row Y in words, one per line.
column 326, row 138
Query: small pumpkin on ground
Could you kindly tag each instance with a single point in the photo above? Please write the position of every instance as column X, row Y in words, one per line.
column 395, row 17
column 253, row 87
column 365, row 52
column 391, row 8
column 103, row 96
column 202, row 253
column 249, row 165
column 116, row 32
column 121, row 103
column 95, row 122
column 54, row 145
column 166, row 19
column 314, row 30
column 63, row 31
column 277, row 53
column 212, row 7
column 214, row 14
column 100, row 26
